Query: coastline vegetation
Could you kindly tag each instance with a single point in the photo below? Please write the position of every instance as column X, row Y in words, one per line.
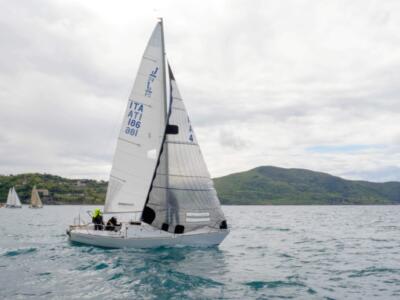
column 259, row 186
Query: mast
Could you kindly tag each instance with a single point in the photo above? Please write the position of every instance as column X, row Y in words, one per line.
column 148, row 213
column 163, row 69
column 165, row 96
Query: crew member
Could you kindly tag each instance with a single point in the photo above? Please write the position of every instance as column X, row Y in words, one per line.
column 97, row 219
column 112, row 223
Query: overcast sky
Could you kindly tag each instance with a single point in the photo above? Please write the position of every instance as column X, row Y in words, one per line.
column 296, row 84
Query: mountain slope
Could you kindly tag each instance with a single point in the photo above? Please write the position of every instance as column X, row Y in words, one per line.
column 262, row 185
column 272, row 185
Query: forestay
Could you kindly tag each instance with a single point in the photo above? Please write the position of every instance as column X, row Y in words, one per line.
column 141, row 133
column 182, row 196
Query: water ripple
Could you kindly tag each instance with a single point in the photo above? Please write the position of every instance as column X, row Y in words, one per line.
column 273, row 284
column 374, row 271
column 20, row 252
column 291, row 252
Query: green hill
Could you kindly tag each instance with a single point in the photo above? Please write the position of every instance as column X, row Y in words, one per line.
column 262, row 185
column 61, row 190
column 272, row 185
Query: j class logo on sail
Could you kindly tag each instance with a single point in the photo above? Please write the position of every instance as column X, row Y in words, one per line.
column 135, row 114
column 152, row 76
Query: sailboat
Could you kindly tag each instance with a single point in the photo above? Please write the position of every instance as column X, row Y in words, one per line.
column 36, row 202
column 13, row 199
column 159, row 186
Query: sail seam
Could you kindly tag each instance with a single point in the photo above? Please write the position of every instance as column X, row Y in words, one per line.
column 177, row 175
column 138, row 101
column 137, row 178
column 124, row 140
column 180, row 189
column 178, row 108
column 150, row 58
column 123, row 180
column 181, row 143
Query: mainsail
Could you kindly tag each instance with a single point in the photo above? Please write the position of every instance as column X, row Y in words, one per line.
column 141, row 133
column 35, row 198
column 182, row 196
column 9, row 197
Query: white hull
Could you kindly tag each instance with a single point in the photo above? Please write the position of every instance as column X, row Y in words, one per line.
column 144, row 236
column 13, row 206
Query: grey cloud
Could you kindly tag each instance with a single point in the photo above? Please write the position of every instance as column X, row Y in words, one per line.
column 381, row 174
column 50, row 39
column 280, row 77
column 227, row 138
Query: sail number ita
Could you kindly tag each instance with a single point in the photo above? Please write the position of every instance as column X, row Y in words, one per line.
column 135, row 113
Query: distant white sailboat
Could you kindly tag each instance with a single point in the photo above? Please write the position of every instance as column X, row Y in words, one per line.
column 36, row 202
column 159, row 184
column 13, row 199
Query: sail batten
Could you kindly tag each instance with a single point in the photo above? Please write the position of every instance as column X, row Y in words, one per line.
column 182, row 189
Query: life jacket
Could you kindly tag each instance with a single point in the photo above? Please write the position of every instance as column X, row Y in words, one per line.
column 96, row 213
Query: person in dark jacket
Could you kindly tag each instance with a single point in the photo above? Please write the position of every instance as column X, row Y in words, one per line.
column 97, row 219
column 112, row 224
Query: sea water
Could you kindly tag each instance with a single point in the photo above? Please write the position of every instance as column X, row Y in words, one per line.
column 290, row 252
